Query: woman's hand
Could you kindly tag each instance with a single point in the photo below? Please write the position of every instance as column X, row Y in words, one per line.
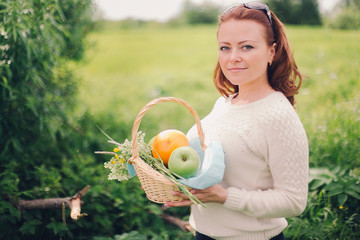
column 215, row 193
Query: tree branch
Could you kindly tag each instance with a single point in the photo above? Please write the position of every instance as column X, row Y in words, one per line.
column 183, row 225
column 74, row 203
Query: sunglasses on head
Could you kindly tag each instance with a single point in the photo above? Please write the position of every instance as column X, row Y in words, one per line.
column 257, row 6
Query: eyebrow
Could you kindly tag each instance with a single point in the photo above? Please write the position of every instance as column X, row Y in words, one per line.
column 241, row 42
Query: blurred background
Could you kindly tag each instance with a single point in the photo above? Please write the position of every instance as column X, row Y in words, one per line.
column 162, row 10
column 71, row 67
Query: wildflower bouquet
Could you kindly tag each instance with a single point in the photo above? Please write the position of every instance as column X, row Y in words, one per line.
column 121, row 170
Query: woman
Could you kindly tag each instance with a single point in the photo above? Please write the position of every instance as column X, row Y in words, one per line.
column 264, row 142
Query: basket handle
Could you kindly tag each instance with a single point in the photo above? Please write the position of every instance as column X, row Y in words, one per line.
column 135, row 151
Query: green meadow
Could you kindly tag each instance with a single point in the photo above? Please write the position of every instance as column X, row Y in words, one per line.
column 127, row 68
column 124, row 69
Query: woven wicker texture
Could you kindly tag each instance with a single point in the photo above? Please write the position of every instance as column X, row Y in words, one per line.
column 156, row 186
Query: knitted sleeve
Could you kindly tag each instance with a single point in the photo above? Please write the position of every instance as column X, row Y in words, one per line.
column 286, row 152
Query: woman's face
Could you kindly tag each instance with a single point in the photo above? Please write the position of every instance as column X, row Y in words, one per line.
column 243, row 52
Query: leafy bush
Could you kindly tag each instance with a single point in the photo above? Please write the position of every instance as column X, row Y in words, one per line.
column 204, row 13
column 332, row 211
column 339, row 183
column 46, row 148
column 37, row 90
column 348, row 18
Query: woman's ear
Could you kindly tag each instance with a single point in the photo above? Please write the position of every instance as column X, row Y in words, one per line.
column 272, row 53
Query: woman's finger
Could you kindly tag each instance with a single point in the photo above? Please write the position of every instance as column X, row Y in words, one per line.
column 183, row 203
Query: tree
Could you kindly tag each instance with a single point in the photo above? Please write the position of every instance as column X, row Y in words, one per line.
column 351, row 3
column 308, row 12
column 346, row 15
column 38, row 38
column 204, row 13
column 47, row 153
column 296, row 11
column 283, row 9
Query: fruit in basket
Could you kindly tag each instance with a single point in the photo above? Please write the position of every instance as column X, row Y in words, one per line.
column 184, row 161
column 151, row 141
column 166, row 142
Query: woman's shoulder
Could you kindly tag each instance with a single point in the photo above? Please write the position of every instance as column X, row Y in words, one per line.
column 278, row 103
column 217, row 109
column 223, row 100
column 279, row 111
column 220, row 104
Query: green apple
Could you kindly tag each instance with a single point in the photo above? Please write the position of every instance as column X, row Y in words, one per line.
column 151, row 141
column 184, row 161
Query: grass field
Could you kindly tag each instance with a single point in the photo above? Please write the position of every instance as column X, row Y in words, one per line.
column 125, row 69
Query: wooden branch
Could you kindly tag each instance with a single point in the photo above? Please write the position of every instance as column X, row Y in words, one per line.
column 44, row 203
column 183, row 225
column 74, row 203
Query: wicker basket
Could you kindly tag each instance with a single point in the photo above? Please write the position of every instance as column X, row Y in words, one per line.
column 156, row 186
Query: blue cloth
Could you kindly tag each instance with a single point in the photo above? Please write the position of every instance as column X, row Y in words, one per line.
column 212, row 165
column 131, row 170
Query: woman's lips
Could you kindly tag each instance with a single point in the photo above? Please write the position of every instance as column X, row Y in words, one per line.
column 236, row 69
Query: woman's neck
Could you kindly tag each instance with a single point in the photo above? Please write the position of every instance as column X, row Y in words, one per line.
column 252, row 93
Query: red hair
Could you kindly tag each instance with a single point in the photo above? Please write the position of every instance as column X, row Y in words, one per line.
column 283, row 72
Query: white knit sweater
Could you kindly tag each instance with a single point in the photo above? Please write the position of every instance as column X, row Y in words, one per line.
column 266, row 168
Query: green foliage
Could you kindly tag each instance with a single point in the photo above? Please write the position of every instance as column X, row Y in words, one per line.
column 339, row 183
column 328, row 102
column 350, row 3
column 135, row 235
column 163, row 65
column 37, row 89
column 345, row 15
column 332, row 211
column 201, row 13
column 127, row 24
column 348, row 18
column 305, row 12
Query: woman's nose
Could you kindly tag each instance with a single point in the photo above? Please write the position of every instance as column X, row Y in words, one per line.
column 235, row 56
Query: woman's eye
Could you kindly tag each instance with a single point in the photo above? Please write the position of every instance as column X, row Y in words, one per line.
column 224, row 48
column 247, row 47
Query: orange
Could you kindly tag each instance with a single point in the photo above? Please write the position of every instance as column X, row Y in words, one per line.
column 166, row 142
